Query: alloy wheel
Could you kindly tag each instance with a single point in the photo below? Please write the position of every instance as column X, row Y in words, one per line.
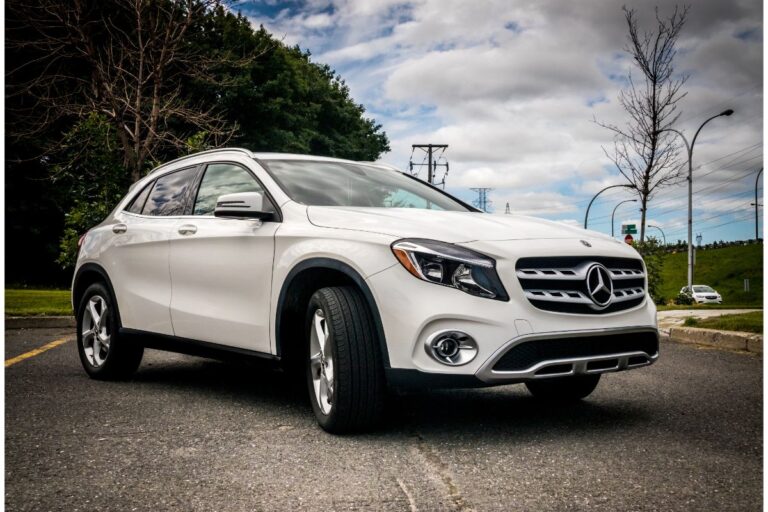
column 95, row 333
column 321, row 362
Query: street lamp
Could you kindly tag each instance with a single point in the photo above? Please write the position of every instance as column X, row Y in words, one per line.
column 614, row 211
column 586, row 215
column 757, row 205
column 662, row 232
column 689, row 147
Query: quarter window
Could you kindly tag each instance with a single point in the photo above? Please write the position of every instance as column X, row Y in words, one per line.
column 220, row 179
column 138, row 202
column 169, row 194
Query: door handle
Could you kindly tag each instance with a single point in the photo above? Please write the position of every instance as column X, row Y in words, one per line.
column 187, row 229
column 119, row 228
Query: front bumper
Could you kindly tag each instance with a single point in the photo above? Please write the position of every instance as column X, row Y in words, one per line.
column 412, row 311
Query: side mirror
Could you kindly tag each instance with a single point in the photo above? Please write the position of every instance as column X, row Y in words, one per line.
column 243, row 205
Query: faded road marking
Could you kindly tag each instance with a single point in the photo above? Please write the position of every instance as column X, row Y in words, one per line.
column 37, row 351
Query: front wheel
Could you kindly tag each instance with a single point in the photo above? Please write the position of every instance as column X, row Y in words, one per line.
column 103, row 353
column 565, row 389
column 345, row 374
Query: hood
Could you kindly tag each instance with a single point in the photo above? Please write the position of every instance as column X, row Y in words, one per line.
column 453, row 227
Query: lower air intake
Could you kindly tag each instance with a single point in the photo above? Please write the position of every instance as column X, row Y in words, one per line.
column 529, row 353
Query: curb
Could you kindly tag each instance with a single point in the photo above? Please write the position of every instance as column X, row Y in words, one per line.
column 39, row 322
column 729, row 340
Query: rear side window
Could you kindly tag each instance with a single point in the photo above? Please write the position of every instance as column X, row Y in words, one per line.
column 138, row 202
column 220, row 179
column 168, row 196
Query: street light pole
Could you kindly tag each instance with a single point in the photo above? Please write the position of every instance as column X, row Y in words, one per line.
column 586, row 215
column 689, row 147
column 662, row 232
column 614, row 211
column 757, row 206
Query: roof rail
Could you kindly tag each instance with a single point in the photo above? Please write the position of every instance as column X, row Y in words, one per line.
column 206, row 152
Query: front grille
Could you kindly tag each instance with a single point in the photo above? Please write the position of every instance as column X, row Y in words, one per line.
column 560, row 283
column 529, row 353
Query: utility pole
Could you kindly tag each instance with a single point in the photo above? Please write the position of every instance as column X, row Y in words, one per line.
column 507, row 210
column 432, row 161
column 482, row 201
column 756, row 204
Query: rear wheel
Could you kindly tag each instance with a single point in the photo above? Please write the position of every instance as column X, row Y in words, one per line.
column 563, row 388
column 345, row 375
column 103, row 353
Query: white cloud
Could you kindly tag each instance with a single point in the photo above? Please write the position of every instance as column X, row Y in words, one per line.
column 513, row 88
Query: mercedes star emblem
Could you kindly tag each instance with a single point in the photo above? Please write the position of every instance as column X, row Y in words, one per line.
column 599, row 285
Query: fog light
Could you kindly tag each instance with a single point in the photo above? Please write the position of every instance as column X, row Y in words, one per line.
column 453, row 348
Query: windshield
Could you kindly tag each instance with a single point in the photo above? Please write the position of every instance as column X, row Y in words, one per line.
column 318, row 183
column 703, row 289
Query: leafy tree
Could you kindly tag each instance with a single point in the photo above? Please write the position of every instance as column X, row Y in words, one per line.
column 90, row 169
column 99, row 91
column 653, row 254
column 283, row 101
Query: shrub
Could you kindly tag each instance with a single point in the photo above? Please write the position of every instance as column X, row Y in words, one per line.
column 683, row 299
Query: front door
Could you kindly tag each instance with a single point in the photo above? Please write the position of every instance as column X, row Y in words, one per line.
column 221, row 268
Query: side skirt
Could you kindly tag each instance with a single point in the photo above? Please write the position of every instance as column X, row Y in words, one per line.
column 195, row 347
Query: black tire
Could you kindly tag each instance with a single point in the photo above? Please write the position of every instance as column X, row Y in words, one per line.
column 123, row 356
column 563, row 389
column 359, row 387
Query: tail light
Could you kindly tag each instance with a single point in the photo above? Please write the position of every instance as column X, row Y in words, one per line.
column 81, row 240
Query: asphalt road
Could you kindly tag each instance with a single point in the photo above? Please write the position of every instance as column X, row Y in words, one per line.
column 193, row 434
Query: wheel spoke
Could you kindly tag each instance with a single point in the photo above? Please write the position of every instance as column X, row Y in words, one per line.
column 320, row 331
column 95, row 316
column 102, row 315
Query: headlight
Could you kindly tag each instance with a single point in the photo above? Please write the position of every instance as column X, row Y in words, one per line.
column 450, row 265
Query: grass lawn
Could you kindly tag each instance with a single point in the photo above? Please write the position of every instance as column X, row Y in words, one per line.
column 673, row 307
column 37, row 302
column 724, row 269
column 746, row 322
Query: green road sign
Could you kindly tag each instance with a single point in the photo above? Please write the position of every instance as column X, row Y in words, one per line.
column 629, row 229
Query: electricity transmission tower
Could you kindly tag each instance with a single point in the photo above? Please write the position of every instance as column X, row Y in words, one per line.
column 482, row 201
column 433, row 158
column 507, row 211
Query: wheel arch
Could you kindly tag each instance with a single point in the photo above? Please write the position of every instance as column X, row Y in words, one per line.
column 302, row 281
column 86, row 275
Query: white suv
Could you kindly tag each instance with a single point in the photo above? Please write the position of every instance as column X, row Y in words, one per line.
column 362, row 276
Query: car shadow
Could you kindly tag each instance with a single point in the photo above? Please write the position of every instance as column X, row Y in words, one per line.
column 502, row 410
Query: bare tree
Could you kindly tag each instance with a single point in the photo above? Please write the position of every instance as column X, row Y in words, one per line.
column 128, row 60
column 643, row 152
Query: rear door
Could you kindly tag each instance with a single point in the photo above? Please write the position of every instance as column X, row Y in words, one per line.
column 138, row 257
column 221, row 269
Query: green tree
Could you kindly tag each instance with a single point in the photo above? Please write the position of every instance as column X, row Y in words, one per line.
column 282, row 101
column 90, row 169
column 653, row 255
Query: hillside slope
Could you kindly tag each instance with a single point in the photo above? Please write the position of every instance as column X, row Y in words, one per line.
column 724, row 269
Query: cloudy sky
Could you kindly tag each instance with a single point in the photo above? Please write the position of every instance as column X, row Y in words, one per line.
column 513, row 87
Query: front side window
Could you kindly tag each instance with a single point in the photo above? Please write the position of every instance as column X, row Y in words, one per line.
column 220, row 179
column 317, row 183
column 168, row 196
